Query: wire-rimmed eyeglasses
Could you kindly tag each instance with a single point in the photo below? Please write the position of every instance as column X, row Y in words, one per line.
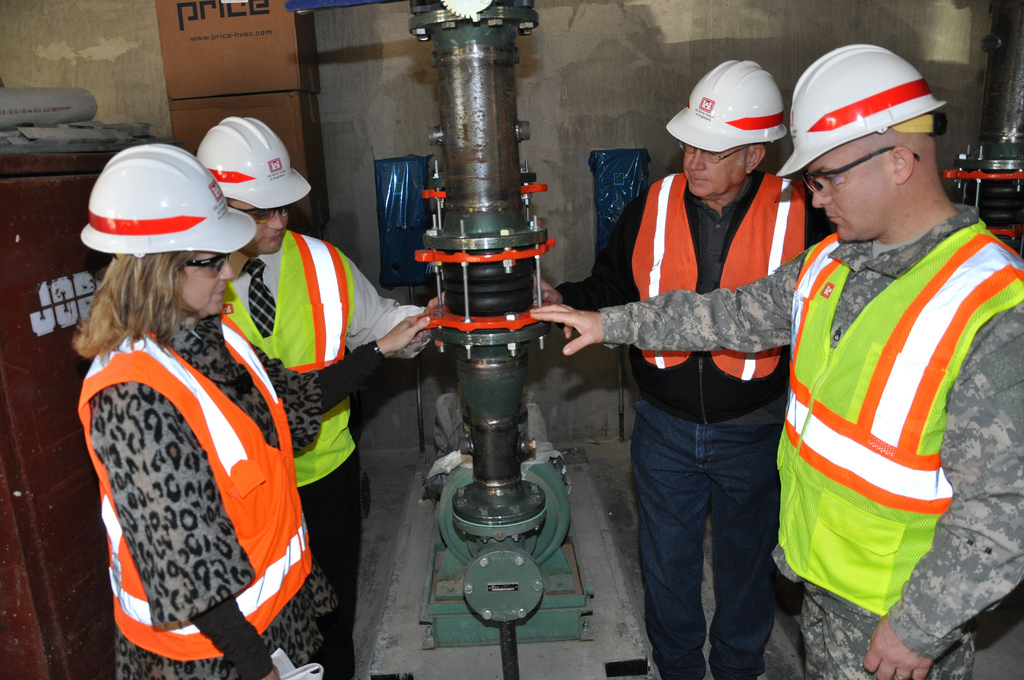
column 712, row 157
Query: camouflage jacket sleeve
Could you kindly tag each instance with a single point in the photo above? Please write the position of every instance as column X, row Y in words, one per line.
column 749, row 319
column 978, row 554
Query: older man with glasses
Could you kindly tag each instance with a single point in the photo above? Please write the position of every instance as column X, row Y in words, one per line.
column 707, row 423
column 300, row 300
column 901, row 466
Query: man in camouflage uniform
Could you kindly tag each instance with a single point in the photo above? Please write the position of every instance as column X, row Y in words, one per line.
column 870, row 157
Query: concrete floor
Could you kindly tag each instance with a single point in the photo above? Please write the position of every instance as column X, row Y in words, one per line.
column 392, row 473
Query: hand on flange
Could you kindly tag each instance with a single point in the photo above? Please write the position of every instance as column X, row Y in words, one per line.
column 408, row 331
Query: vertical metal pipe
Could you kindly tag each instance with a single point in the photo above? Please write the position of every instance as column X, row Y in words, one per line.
column 477, row 95
column 478, row 114
column 493, row 385
column 1002, row 106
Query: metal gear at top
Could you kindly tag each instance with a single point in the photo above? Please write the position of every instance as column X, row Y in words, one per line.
column 467, row 9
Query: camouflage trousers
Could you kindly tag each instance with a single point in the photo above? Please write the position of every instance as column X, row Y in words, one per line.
column 836, row 635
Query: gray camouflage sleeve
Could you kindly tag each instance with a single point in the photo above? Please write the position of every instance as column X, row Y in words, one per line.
column 749, row 319
column 977, row 556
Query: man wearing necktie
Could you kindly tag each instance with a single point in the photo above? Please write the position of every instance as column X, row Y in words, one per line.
column 302, row 301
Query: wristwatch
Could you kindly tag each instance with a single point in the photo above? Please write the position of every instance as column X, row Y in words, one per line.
column 378, row 351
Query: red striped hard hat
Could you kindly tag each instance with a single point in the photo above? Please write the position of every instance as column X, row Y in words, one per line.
column 736, row 103
column 850, row 93
column 251, row 163
column 157, row 198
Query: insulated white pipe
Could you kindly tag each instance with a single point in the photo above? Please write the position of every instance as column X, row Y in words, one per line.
column 44, row 106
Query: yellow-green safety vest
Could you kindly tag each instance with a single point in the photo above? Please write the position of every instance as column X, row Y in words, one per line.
column 862, row 481
column 313, row 310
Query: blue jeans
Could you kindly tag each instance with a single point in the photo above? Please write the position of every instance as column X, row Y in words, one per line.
column 681, row 469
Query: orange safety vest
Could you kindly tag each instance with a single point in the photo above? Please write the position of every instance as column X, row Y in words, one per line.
column 256, row 483
column 664, row 258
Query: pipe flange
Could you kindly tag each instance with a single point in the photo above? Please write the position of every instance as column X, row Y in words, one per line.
column 512, row 511
column 498, row 532
column 991, row 164
column 439, row 241
column 476, row 519
column 1000, row 156
column 487, row 338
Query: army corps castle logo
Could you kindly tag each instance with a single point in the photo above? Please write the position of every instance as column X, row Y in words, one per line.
column 707, row 106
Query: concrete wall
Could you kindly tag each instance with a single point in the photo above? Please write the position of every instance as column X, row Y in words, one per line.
column 593, row 75
column 109, row 47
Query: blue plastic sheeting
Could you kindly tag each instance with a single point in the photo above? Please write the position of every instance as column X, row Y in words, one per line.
column 402, row 217
column 620, row 175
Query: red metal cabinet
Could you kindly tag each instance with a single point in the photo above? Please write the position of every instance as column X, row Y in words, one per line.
column 56, row 617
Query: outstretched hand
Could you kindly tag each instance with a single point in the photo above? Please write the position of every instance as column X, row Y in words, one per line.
column 408, row 331
column 887, row 657
column 588, row 324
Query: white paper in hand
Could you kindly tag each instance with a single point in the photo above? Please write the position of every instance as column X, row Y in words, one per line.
column 287, row 670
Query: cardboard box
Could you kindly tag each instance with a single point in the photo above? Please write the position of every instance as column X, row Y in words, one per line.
column 212, row 48
column 294, row 116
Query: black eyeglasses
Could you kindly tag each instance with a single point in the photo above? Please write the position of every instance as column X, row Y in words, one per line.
column 836, row 179
column 211, row 266
column 264, row 215
column 712, row 157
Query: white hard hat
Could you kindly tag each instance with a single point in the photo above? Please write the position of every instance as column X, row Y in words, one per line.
column 736, row 103
column 850, row 93
column 157, row 198
column 251, row 163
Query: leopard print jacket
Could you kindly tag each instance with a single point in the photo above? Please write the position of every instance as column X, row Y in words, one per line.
column 174, row 521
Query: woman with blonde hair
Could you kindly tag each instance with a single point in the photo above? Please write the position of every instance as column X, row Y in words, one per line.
column 192, row 433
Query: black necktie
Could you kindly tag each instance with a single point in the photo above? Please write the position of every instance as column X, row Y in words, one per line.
column 261, row 302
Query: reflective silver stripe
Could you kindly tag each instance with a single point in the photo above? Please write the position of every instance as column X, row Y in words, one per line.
column 273, row 578
column 908, row 369
column 327, row 277
column 749, row 364
column 114, row 532
column 774, row 256
column 244, row 349
column 131, row 605
column 877, row 469
column 781, row 222
column 248, row 600
column 803, row 287
column 226, row 443
column 654, row 288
